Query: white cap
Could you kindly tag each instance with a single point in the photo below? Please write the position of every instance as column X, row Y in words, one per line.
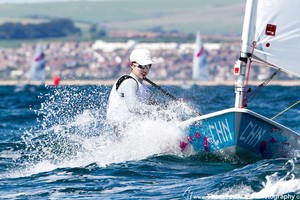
column 141, row 56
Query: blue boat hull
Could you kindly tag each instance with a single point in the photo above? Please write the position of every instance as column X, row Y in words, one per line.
column 239, row 134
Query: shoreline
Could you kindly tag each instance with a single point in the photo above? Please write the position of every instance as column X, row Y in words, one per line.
column 158, row 82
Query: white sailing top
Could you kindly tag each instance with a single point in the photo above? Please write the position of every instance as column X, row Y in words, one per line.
column 132, row 99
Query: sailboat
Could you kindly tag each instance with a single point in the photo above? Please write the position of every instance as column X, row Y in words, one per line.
column 37, row 69
column 36, row 74
column 271, row 35
column 200, row 68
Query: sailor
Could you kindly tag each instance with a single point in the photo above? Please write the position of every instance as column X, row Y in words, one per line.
column 129, row 97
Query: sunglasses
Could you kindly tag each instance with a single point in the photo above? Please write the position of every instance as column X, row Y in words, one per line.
column 142, row 66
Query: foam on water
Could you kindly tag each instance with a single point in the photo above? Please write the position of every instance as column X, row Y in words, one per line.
column 283, row 184
column 279, row 185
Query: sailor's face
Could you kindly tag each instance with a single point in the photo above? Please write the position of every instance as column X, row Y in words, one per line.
column 140, row 71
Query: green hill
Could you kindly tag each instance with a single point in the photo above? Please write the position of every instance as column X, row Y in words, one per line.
column 208, row 16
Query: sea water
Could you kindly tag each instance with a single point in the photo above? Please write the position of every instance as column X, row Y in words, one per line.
column 56, row 143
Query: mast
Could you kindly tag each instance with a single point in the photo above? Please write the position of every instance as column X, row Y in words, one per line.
column 243, row 62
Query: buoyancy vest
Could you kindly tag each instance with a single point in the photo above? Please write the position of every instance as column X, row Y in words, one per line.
column 117, row 109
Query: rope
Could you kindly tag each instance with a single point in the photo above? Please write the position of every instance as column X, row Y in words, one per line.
column 171, row 96
column 162, row 90
column 261, row 86
column 285, row 109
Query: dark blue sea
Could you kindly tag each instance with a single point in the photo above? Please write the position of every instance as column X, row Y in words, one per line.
column 55, row 143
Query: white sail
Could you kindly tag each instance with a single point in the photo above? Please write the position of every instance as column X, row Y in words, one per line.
column 274, row 25
column 200, row 69
column 37, row 70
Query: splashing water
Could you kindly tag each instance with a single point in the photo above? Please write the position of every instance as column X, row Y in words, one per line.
column 73, row 131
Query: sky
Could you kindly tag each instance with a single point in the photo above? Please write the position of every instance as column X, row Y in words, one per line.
column 27, row 1
column 41, row 1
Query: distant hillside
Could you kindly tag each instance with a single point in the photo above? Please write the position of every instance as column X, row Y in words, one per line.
column 208, row 16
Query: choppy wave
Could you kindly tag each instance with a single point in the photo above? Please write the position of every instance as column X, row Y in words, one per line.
column 56, row 143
